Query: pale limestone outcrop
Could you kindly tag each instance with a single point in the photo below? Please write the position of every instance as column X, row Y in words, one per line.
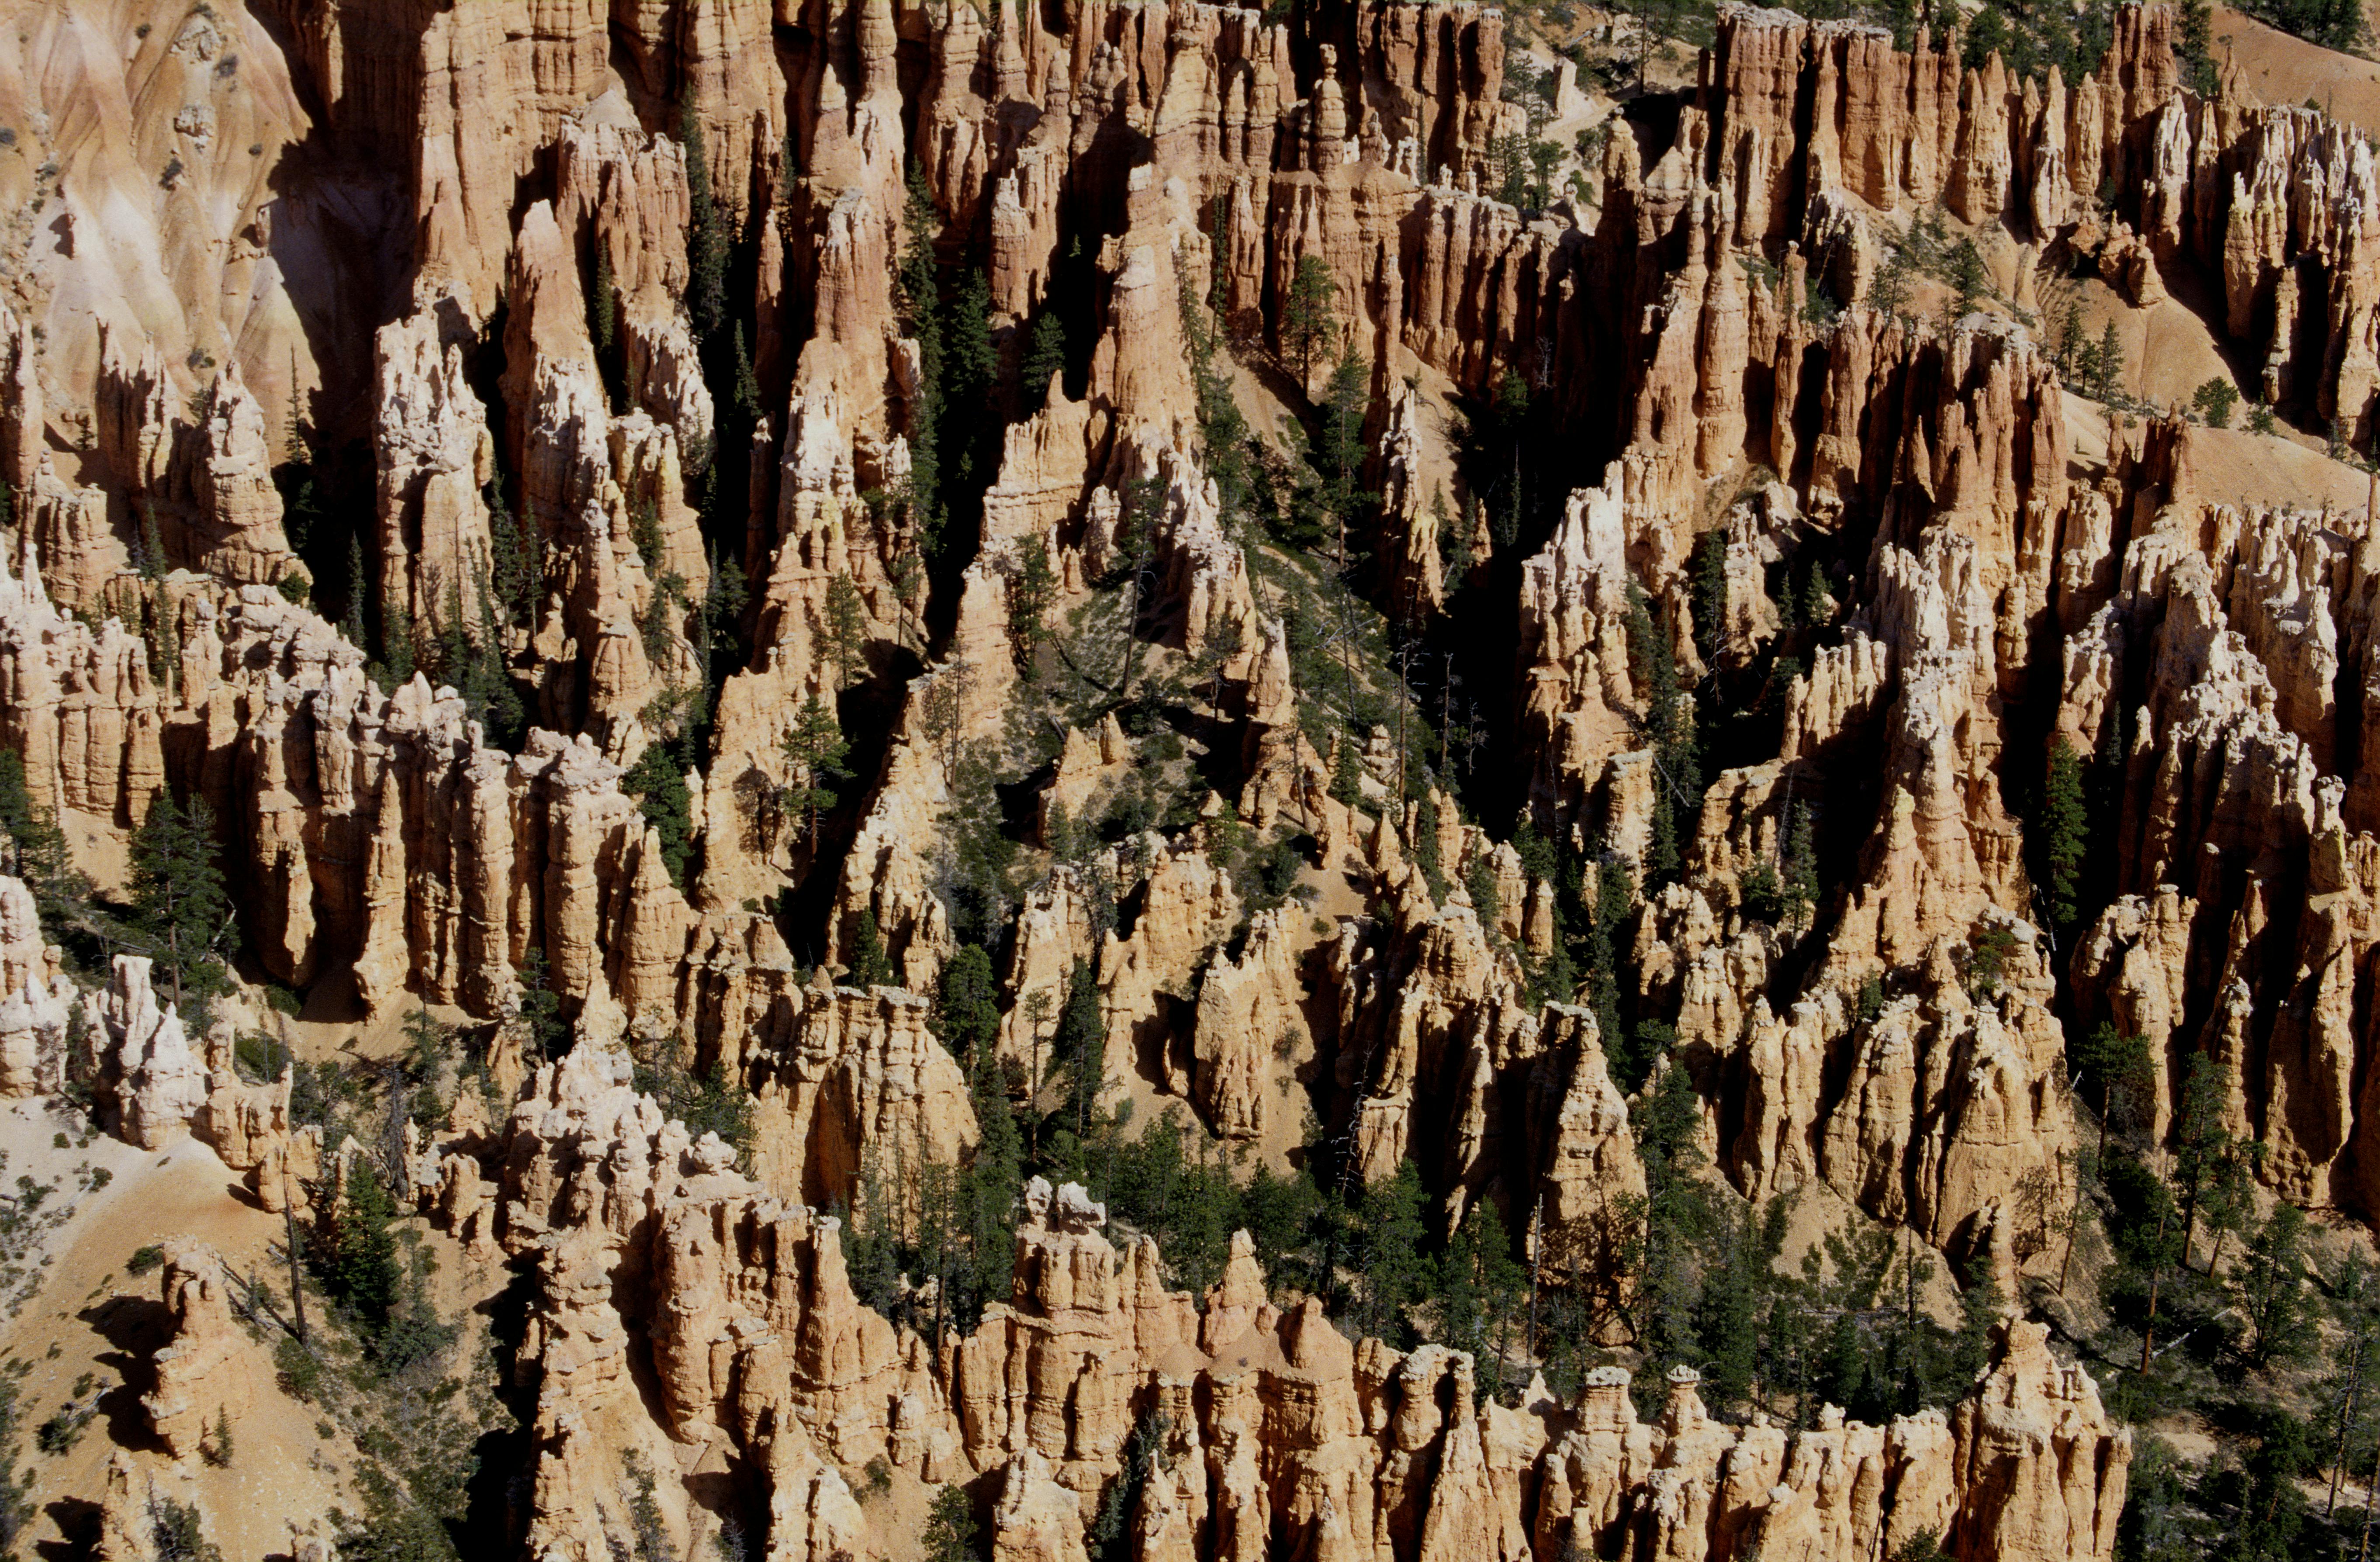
column 434, row 454
column 149, row 1080
column 2038, row 1469
column 1249, row 1016
column 857, row 1087
column 203, row 1372
column 35, row 999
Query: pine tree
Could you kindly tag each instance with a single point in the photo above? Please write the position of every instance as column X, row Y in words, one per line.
column 1709, row 572
column 1969, row 280
column 1045, row 359
column 1339, row 451
column 966, row 1018
column 2065, row 835
column 846, row 628
column 744, row 394
column 1392, row 1270
column 916, row 281
column 364, row 1273
column 1677, row 781
column 2194, row 47
column 1800, row 868
column 1727, row 1313
column 1346, row 774
column 815, row 748
column 1426, row 854
column 870, row 966
column 2215, row 400
column 396, row 643
column 950, row 1527
column 1309, row 313
column 35, row 846
column 603, row 305
column 659, row 785
column 2108, row 365
column 179, row 901
column 1032, row 587
column 353, row 620
column 2269, row 1286
column 541, row 1008
column 706, row 239
column 1604, row 890
column 1081, row 1047
column 967, row 1010
column 970, row 370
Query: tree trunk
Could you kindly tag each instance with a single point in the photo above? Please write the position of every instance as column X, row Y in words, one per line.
column 2346, row 1423
column 289, row 1229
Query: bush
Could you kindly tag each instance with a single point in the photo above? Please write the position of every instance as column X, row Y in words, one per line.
column 299, row 1374
column 144, row 1259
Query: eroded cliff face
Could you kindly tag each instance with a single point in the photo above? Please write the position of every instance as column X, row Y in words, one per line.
column 597, row 332
column 1275, row 1423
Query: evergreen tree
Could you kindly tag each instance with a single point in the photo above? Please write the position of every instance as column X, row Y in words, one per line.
column 541, row 1008
column 352, row 625
column 601, row 305
column 970, row 438
column 1081, row 1047
column 1347, row 773
column 1709, row 572
column 1045, row 359
column 1426, row 854
column 2064, row 831
column 1032, row 587
column 1727, row 1312
column 1308, row 314
column 396, row 643
column 1393, row 1271
column 1481, row 1289
column 515, row 563
column 33, row 848
column 916, row 281
column 744, row 394
column 846, row 628
column 1339, row 451
column 815, row 748
column 659, row 785
column 180, row 905
column 706, row 236
column 966, row 1019
column 1110, row 1536
column 363, row 1271
column 1677, row 782
column 2201, row 1140
column 1609, row 908
column 967, row 1012
column 2269, row 1286
column 870, row 966
column 1800, row 868
column 2108, row 366
column 2215, row 398
column 950, row 1527
column 1969, row 280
